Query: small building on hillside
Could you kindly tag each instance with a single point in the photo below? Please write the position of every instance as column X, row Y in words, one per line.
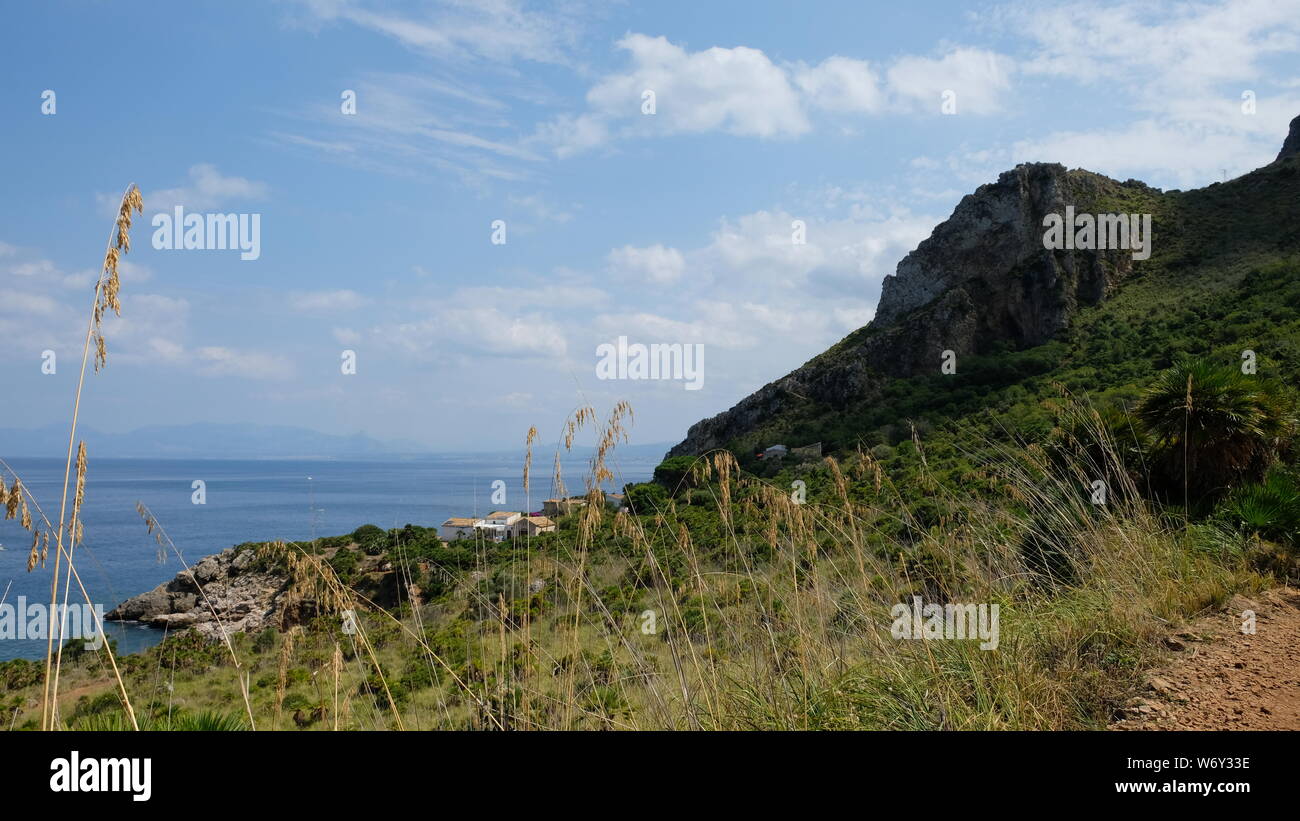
column 499, row 524
column 808, row 452
column 563, row 507
column 614, row 500
column 775, row 452
column 457, row 527
column 531, row 526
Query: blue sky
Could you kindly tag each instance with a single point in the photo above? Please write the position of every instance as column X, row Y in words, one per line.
column 671, row 227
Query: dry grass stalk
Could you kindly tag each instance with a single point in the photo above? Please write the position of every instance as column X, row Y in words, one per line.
column 107, row 287
column 282, row 674
column 24, row 496
column 160, row 536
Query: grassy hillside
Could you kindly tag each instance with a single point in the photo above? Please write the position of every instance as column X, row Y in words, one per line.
column 1221, row 279
column 741, row 594
column 725, row 604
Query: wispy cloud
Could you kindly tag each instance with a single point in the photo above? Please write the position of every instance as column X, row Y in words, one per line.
column 326, row 301
column 407, row 123
column 494, row 30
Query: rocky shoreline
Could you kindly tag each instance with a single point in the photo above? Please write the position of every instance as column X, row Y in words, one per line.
column 227, row 588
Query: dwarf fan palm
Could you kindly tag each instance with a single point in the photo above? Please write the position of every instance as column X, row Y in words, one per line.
column 1212, row 426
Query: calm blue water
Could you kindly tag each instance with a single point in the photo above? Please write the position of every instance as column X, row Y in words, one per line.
column 251, row 501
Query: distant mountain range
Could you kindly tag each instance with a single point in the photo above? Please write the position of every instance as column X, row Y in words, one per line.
column 203, row 440
column 234, row 441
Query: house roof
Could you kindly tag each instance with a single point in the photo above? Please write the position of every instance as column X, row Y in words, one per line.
column 541, row 521
column 459, row 521
column 502, row 514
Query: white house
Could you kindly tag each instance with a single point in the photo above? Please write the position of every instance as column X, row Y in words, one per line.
column 457, row 527
column 499, row 524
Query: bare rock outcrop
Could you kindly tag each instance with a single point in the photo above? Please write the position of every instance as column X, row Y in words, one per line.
column 981, row 279
column 1291, row 146
column 228, row 589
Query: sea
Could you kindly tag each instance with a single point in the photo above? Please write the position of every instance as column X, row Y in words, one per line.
column 254, row 501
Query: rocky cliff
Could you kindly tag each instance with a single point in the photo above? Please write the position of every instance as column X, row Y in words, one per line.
column 1291, row 147
column 983, row 281
column 982, row 277
column 230, row 585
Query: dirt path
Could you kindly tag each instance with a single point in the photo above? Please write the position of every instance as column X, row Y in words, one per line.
column 1222, row 679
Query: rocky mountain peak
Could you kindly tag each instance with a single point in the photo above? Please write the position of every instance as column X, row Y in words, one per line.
column 992, row 248
column 985, row 280
column 982, row 277
column 1291, row 145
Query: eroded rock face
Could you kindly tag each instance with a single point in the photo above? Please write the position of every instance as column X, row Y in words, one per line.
column 223, row 586
column 982, row 277
column 992, row 248
column 1291, row 146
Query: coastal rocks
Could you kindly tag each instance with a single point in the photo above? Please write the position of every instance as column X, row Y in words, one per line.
column 224, row 589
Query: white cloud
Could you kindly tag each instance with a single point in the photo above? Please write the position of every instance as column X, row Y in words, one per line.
column 849, row 255
column 326, row 301
column 841, row 84
column 741, row 91
column 152, row 328
column 167, row 350
column 48, row 308
column 759, row 303
column 38, row 272
column 476, row 330
column 547, row 293
column 36, row 269
column 27, row 303
column 656, row 263
column 979, row 78
column 736, row 90
column 1182, row 68
column 1185, row 154
column 207, row 190
column 1161, row 47
column 721, row 328
column 220, row 361
column 346, row 336
column 539, row 208
column 574, row 134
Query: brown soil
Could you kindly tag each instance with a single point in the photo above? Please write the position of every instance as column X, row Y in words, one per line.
column 1223, row 679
